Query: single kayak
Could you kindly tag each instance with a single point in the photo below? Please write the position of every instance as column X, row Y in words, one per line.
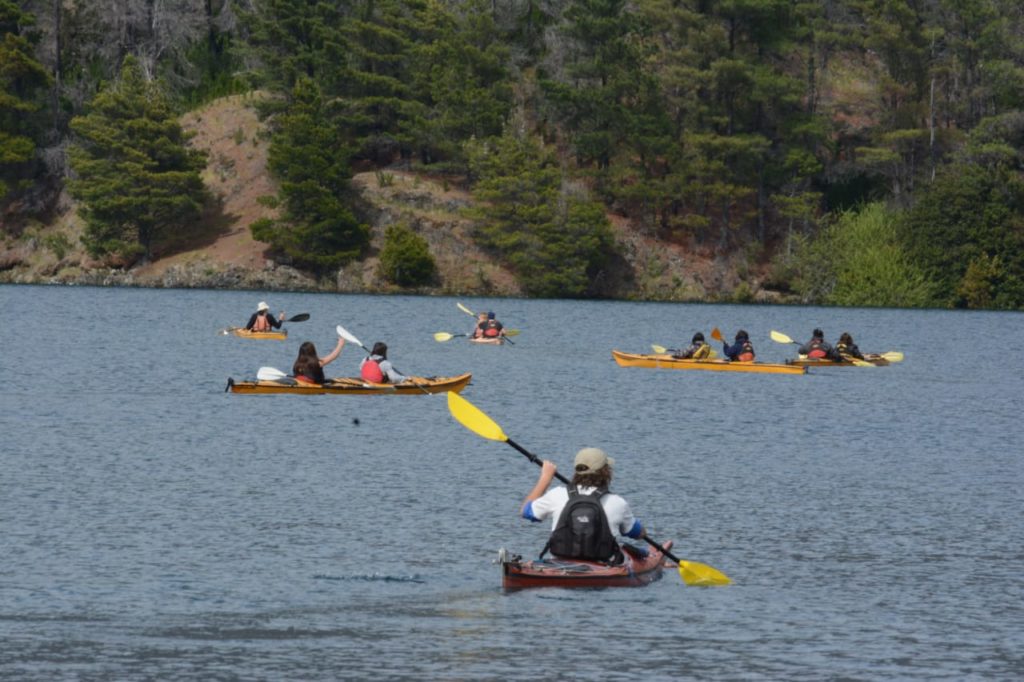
column 353, row 386
column 275, row 335
column 641, row 566
column 665, row 361
column 804, row 361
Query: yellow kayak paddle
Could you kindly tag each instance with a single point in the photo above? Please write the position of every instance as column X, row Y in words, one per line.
column 474, row 419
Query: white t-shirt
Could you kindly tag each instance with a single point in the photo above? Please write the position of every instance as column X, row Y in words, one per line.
column 551, row 503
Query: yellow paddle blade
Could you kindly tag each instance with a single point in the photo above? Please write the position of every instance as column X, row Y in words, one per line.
column 443, row 336
column 701, row 575
column 470, row 416
column 713, row 354
column 658, row 349
column 779, row 337
column 466, row 310
column 512, row 332
column 716, row 334
column 893, row 356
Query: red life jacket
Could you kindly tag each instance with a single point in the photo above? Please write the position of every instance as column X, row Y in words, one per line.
column 262, row 324
column 816, row 351
column 492, row 330
column 370, row 371
column 747, row 354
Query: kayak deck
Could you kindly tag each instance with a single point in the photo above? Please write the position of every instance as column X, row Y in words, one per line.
column 275, row 335
column 640, row 567
column 876, row 360
column 494, row 341
column 353, row 386
column 666, row 361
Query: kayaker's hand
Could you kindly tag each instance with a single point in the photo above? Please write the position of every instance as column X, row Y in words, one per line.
column 548, row 468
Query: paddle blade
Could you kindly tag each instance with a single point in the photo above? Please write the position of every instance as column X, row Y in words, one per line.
column 658, row 349
column 301, row 317
column 779, row 337
column 701, row 575
column 270, row 374
column 466, row 310
column 343, row 333
column 512, row 332
column 893, row 356
column 716, row 334
column 470, row 416
column 443, row 336
column 857, row 362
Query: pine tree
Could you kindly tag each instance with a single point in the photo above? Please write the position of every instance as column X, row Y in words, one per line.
column 308, row 156
column 21, row 79
column 137, row 178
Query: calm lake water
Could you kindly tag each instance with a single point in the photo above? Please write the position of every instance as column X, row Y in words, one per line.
column 153, row 526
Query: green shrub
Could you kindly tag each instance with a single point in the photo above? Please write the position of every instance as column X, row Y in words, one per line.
column 405, row 259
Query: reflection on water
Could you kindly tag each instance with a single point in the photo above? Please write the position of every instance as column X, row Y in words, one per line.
column 155, row 527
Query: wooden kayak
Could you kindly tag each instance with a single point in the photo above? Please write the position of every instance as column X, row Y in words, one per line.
column 275, row 335
column 353, row 386
column 641, row 566
column 804, row 361
column 665, row 361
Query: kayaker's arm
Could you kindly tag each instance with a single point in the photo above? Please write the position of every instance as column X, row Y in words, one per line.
column 547, row 473
column 333, row 355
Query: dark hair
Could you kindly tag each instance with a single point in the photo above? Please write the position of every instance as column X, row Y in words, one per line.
column 697, row 337
column 846, row 339
column 380, row 348
column 741, row 335
column 307, row 364
column 599, row 480
column 817, row 334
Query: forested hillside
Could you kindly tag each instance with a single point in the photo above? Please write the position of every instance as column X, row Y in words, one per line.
column 851, row 152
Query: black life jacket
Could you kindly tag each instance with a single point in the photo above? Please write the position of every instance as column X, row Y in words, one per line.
column 582, row 531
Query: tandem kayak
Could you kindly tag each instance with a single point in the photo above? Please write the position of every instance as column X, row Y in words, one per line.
column 803, row 361
column 492, row 341
column 353, row 386
column 641, row 566
column 665, row 361
column 275, row 335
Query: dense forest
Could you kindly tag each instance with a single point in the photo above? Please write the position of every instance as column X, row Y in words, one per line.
column 856, row 152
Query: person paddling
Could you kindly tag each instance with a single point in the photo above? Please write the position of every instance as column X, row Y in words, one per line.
column 262, row 320
column 490, row 328
column 846, row 348
column 478, row 328
column 698, row 350
column 585, row 516
column 376, row 368
column 817, row 348
column 741, row 350
column 309, row 367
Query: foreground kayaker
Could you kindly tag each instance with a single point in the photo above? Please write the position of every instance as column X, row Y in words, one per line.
column 698, row 349
column 586, row 516
column 377, row 368
column 741, row 350
column 262, row 320
column 309, row 367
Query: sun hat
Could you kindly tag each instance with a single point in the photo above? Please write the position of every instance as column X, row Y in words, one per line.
column 592, row 460
column 262, row 306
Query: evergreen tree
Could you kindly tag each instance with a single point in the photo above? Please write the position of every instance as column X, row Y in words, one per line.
column 137, row 178
column 967, row 228
column 553, row 237
column 308, row 156
column 22, row 78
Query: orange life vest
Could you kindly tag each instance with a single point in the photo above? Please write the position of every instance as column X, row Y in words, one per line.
column 262, row 324
column 492, row 329
column 747, row 354
column 816, row 351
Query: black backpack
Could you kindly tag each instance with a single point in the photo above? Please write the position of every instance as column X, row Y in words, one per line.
column 582, row 531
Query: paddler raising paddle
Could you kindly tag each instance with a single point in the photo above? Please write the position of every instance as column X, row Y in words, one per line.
column 262, row 320
column 585, row 516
